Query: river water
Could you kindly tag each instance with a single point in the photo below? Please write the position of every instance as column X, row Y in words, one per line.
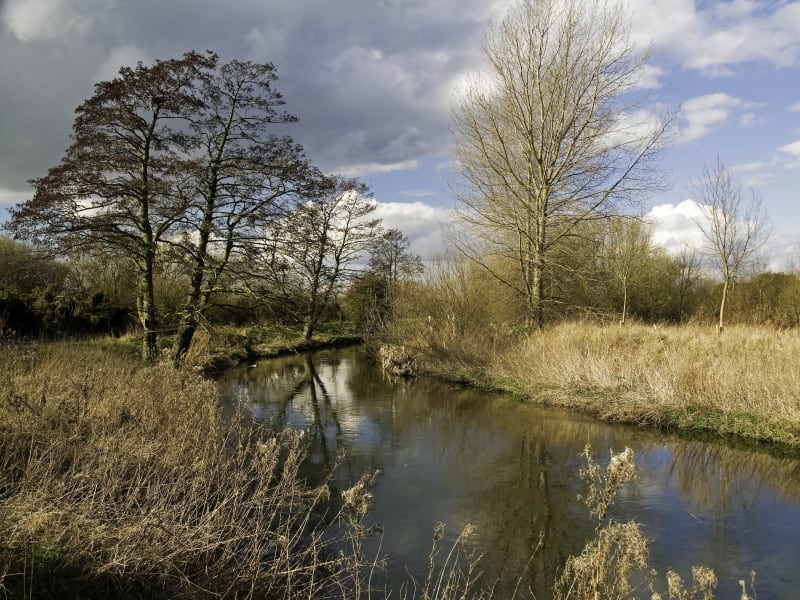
column 455, row 455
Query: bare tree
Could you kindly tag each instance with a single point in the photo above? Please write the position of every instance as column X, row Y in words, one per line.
column 244, row 176
column 319, row 241
column 390, row 258
column 687, row 276
column 733, row 222
column 628, row 245
column 553, row 136
column 180, row 155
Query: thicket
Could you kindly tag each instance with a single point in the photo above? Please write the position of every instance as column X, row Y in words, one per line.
column 44, row 297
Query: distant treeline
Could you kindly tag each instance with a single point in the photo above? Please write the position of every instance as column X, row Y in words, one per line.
column 48, row 297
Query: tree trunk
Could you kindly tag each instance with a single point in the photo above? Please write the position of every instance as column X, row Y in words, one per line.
column 537, row 287
column 193, row 302
column 537, row 295
column 624, row 300
column 725, row 284
column 147, row 317
column 184, row 339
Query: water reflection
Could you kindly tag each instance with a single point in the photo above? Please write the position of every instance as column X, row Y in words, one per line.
column 458, row 456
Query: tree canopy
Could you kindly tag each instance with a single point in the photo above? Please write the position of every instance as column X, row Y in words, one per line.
column 181, row 155
column 551, row 136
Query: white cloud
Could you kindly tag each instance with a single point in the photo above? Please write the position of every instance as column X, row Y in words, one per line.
column 122, row 56
column 782, row 251
column 424, row 225
column 720, row 35
column 675, row 226
column 789, row 155
column 747, row 119
column 31, row 20
column 364, row 169
column 794, row 107
column 748, row 167
column 793, row 149
column 417, row 193
column 9, row 198
column 704, row 113
column 754, row 174
column 650, row 77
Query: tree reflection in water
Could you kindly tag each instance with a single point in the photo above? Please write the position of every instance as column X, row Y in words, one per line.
column 457, row 455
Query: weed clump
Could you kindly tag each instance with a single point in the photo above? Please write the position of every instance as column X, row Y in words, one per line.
column 613, row 564
column 608, row 562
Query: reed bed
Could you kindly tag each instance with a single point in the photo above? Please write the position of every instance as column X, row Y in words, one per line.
column 119, row 481
column 745, row 381
column 127, row 482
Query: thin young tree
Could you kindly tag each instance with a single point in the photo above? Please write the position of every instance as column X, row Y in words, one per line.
column 118, row 183
column 687, row 268
column 552, row 136
column 628, row 246
column 733, row 221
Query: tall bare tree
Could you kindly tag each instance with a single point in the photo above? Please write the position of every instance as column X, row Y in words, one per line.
column 552, row 136
column 733, row 222
column 244, row 176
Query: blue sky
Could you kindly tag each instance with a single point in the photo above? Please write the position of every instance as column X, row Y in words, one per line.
column 371, row 82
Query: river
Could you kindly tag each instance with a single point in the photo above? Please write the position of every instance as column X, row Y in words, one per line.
column 455, row 455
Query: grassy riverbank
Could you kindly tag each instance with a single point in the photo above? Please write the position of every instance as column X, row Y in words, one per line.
column 744, row 382
column 222, row 347
column 122, row 481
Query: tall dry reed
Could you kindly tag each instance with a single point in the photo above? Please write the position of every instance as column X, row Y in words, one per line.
column 118, row 481
column 745, row 381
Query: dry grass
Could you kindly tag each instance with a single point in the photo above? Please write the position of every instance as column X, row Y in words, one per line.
column 117, row 481
column 613, row 564
column 745, row 382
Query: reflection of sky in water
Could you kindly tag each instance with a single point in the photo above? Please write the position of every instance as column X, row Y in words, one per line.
column 460, row 456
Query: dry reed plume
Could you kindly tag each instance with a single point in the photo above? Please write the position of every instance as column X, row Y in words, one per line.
column 613, row 564
column 123, row 482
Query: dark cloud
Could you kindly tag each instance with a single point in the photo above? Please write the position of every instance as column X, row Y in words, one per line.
column 369, row 80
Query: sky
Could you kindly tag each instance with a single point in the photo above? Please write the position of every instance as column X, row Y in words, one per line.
column 371, row 82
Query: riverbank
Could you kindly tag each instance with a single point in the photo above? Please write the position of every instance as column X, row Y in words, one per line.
column 223, row 347
column 118, row 480
column 744, row 383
